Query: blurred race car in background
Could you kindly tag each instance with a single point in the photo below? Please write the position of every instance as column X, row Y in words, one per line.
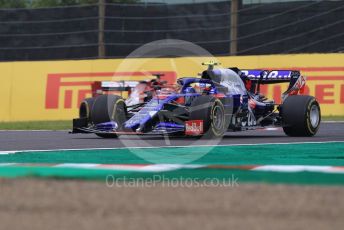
column 221, row 100
column 135, row 92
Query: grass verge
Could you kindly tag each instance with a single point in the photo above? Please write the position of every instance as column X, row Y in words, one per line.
column 64, row 125
column 36, row 125
column 332, row 118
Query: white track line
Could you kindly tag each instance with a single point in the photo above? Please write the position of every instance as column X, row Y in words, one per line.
column 157, row 147
column 7, row 152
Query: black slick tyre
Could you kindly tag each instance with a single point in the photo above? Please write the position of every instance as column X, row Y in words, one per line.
column 85, row 108
column 107, row 108
column 212, row 112
column 301, row 116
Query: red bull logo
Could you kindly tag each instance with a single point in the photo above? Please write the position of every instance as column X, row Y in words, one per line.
column 194, row 127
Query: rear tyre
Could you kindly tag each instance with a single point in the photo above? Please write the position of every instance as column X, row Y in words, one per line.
column 85, row 108
column 301, row 116
column 212, row 112
column 107, row 108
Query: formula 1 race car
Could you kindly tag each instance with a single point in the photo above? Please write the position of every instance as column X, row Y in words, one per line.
column 221, row 100
column 135, row 92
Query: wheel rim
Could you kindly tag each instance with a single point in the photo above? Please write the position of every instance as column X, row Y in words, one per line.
column 314, row 116
column 218, row 117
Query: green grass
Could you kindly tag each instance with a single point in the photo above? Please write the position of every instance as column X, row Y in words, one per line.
column 36, row 125
column 333, row 118
column 64, row 125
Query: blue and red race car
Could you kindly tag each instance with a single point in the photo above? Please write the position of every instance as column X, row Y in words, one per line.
column 220, row 101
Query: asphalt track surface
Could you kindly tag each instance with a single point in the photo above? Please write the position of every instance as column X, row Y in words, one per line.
column 47, row 140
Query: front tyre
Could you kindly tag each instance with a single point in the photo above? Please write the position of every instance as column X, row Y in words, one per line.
column 301, row 116
column 212, row 112
column 107, row 108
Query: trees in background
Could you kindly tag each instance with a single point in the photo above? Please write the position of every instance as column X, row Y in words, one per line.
column 13, row 4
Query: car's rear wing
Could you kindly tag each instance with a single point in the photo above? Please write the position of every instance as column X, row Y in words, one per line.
column 118, row 85
column 296, row 81
column 112, row 87
column 271, row 77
